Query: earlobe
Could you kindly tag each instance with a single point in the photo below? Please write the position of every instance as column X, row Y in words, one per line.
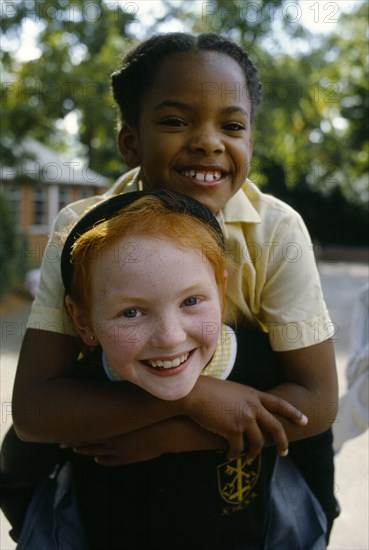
column 128, row 146
column 83, row 327
column 251, row 149
column 251, row 146
column 222, row 293
column 225, row 282
column 225, row 279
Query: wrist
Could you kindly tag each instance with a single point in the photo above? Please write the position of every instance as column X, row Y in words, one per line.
column 192, row 404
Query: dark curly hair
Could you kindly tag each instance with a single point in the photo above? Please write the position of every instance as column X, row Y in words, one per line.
column 136, row 76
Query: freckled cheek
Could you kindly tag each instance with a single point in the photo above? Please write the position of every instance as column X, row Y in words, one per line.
column 121, row 339
column 209, row 328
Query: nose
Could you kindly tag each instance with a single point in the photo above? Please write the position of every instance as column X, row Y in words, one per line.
column 206, row 139
column 168, row 333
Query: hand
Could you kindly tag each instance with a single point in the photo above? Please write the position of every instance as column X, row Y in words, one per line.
column 241, row 414
column 128, row 448
column 176, row 435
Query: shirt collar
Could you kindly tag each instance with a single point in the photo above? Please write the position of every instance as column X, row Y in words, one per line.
column 129, row 181
column 239, row 207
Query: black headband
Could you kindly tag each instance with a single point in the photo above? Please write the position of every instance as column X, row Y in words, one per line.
column 173, row 201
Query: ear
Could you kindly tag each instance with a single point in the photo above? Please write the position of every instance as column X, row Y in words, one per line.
column 128, row 145
column 80, row 320
column 251, row 149
column 225, row 279
column 225, row 285
column 251, row 146
column 222, row 294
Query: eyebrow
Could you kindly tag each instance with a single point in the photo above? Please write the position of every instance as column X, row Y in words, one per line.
column 138, row 300
column 184, row 106
column 233, row 109
column 172, row 103
column 119, row 298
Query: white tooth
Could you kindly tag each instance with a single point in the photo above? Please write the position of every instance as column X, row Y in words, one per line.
column 200, row 176
column 189, row 173
column 169, row 364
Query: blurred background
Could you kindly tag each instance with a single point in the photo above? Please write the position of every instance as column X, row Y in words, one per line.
column 58, row 144
column 58, row 119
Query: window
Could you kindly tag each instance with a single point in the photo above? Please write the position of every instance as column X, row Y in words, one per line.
column 40, row 206
column 65, row 197
column 86, row 192
column 14, row 194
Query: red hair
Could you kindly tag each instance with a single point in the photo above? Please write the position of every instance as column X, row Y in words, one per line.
column 146, row 217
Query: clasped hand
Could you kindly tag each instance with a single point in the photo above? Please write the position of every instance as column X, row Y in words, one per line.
column 216, row 414
column 245, row 417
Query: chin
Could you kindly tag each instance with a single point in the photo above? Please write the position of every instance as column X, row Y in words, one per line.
column 173, row 395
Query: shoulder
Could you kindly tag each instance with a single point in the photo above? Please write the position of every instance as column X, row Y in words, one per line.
column 266, row 204
column 262, row 213
column 70, row 213
column 129, row 181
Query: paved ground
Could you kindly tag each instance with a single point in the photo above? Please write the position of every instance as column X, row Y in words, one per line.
column 341, row 282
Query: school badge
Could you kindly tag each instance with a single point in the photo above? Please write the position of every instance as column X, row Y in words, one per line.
column 237, row 479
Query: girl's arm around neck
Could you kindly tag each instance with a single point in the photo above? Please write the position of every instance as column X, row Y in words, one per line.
column 51, row 405
column 248, row 418
column 175, row 435
column 312, row 386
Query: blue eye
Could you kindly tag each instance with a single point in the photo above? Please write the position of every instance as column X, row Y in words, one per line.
column 192, row 301
column 130, row 313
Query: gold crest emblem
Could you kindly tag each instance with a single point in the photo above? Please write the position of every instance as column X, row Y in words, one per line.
column 237, row 478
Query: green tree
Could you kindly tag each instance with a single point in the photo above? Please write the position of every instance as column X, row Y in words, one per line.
column 316, row 155
column 311, row 142
column 79, row 44
column 7, row 246
column 341, row 91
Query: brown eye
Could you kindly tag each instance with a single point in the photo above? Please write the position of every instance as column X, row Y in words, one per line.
column 172, row 121
column 234, row 126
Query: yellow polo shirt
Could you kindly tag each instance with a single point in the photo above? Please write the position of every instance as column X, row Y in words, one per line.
column 273, row 280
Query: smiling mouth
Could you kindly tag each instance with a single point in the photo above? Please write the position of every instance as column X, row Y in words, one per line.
column 167, row 364
column 202, row 175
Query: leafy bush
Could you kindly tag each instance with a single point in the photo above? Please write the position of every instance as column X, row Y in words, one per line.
column 7, row 246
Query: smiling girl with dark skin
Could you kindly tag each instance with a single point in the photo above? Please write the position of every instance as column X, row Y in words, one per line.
column 187, row 106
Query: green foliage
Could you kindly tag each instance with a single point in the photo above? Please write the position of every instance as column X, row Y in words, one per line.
column 311, row 141
column 80, row 45
column 7, row 246
column 310, row 138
